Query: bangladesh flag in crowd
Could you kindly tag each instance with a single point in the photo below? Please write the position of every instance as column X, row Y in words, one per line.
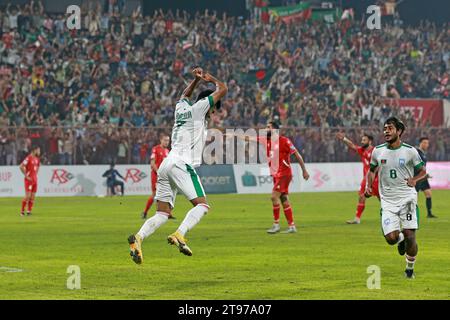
column 287, row 14
column 259, row 75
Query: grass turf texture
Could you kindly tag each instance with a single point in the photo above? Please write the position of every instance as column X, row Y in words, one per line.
column 234, row 257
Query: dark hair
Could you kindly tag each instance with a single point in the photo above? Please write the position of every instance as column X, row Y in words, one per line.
column 423, row 138
column 206, row 93
column 368, row 137
column 274, row 124
column 34, row 147
column 397, row 124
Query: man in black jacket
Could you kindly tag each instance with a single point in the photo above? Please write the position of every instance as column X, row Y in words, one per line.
column 112, row 181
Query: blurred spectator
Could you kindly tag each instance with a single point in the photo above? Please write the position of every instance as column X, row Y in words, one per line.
column 126, row 72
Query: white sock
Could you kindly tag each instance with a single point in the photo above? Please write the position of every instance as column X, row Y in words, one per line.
column 401, row 237
column 152, row 224
column 410, row 261
column 192, row 218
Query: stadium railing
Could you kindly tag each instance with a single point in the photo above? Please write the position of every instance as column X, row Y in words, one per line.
column 103, row 144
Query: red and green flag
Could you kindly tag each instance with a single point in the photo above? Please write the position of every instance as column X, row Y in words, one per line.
column 326, row 15
column 259, row 75
column 287, row 14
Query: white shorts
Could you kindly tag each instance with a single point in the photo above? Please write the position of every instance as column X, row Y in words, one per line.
column 174, row 176
column 400, row 217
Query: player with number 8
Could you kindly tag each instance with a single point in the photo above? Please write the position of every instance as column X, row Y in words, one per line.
column 396, row 163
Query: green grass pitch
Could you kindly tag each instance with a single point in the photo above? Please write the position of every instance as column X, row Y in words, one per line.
column 233, row 257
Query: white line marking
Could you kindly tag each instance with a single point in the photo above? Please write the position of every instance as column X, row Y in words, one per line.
column 8, row 269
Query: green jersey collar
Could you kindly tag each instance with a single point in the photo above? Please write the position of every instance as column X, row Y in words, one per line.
column 391, row 148
column 186, row 100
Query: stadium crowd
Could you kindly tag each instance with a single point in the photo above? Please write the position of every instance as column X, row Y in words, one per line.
column 115, row 81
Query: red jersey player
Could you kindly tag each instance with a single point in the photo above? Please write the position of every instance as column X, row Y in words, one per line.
column 365, row 153
column 278, row 156
column 30, row 169
column 159, row 152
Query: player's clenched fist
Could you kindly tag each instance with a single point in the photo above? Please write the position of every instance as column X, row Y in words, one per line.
column 305, row 175
column 208, row 77
column 197, row 72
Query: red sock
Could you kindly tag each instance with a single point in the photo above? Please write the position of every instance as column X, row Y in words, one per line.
column 24, row 204
column 149, row 204
column 30, row 205
column 359, row 210
column 288, row 213
column 276, row 213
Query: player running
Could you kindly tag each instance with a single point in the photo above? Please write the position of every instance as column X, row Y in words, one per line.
column 159, row 153
column 279, row 155
column 424, row 185
column 396, row 163
column 177, row 173
column 365, row 152
column 30, row 168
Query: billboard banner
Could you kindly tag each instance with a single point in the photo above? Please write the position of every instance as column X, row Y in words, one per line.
column 58, row 181
column 61, row 181
column 439, row 175
column 10, row 179
column 425, row 111
column 323, row 177
column 217, row 178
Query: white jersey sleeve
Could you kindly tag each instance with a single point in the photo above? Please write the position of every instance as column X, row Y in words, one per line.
column 202, row 106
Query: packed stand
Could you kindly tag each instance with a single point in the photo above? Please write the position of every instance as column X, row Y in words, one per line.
column 120, row 74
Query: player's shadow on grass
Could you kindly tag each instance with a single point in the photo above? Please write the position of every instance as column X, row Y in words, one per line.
column 86, row 186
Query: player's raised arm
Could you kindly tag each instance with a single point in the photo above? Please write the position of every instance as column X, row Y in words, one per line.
column 197, row 72
column 348, row 142
column 221, row 88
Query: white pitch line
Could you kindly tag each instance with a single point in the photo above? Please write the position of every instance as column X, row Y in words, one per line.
column 8, row 269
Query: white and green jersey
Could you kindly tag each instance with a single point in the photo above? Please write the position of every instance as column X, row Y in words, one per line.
column 395, row 166
column 190, row 130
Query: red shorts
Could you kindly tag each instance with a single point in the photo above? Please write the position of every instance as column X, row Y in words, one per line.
column 281, row 184
column 30, row 186
column 375, row 191
column 154, row 180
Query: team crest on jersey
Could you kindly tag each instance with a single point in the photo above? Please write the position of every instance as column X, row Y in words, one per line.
column 401, row 162
column 383, row 161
